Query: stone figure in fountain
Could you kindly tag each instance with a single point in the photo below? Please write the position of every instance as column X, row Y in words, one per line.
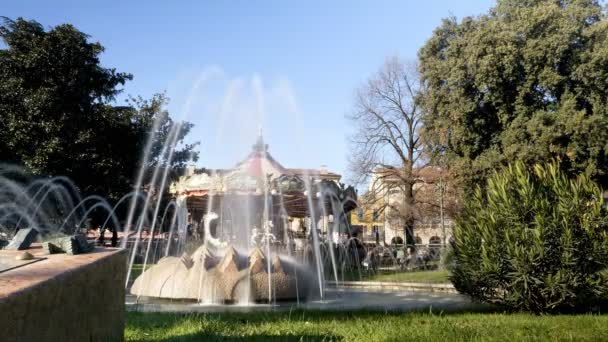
column 255, row 236
column 261, row 238
column 210, row 241
column 75, row 244
column 219, row 273
column 23, row 239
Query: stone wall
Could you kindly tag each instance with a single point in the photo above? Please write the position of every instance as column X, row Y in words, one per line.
column 429, row 232
column 65, row 298
column 423, row 232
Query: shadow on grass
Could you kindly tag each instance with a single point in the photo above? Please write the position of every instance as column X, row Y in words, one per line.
column 311, row 325
column 218, row 323
column 144, row 320
column 261, row 337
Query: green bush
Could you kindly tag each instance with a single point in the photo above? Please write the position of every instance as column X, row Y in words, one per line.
column 533, row 240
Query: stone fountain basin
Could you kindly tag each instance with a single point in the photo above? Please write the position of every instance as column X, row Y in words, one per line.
column 64, row 297
column 336, row 299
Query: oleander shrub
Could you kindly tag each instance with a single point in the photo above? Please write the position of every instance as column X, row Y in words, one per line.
column 534, row 240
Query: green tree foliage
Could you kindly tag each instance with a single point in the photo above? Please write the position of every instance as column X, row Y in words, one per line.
column 533, row 239
column 527, row 81
column 57, row 115
column 150, row 110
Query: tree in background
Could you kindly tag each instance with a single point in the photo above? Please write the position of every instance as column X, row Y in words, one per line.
column 386, row 147
column 57, row 113
column 527, row 81
column 151, row 110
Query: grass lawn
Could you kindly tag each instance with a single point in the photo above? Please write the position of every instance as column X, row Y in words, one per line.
column 436, row 276
column 439, row 276
column 364, row 326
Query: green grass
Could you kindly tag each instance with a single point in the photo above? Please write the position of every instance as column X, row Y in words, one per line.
column 435, row 277
column 364, row 326
column 439, row 276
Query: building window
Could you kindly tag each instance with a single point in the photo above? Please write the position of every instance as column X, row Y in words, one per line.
column 376, row 215
column 435, row 240
column 360, row 214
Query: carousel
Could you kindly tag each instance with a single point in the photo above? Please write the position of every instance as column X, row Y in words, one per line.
column 259, row 190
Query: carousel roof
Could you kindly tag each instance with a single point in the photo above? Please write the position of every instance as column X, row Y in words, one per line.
column 252, row 174
column 260, row 163
column 260, row 172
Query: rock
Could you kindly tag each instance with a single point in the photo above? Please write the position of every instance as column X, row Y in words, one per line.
column 23, row 239
column 3, row 243
column 24, row 256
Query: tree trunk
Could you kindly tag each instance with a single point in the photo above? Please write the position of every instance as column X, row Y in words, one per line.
column 408, row 233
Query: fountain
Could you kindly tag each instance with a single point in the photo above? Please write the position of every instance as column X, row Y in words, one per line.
column 230, row 259
column 257, row 235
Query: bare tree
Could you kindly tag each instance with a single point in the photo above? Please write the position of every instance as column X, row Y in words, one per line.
column 386, row 147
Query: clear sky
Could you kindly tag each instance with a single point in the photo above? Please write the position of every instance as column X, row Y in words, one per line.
column 230, row 67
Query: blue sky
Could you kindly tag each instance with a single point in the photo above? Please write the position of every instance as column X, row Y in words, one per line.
column 233, row 66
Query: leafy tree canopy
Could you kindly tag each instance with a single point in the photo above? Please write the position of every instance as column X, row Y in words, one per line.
column 58, row 115
column 527, row 81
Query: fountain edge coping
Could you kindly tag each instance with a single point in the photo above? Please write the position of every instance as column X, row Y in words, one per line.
column 403, row 286
column 22, row 279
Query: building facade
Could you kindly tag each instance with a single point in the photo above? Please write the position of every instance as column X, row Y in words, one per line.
column 367, row 223
column 381, row 209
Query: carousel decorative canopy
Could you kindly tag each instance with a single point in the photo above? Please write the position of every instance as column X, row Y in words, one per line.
column 261, row 175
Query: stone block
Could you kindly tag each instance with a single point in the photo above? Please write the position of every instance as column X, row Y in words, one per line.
column 23, row 239
column 76, row 244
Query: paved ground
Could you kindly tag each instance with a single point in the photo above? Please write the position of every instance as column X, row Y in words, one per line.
column 336, row 299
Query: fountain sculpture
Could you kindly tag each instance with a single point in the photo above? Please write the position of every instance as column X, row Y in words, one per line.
column 229, row 278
